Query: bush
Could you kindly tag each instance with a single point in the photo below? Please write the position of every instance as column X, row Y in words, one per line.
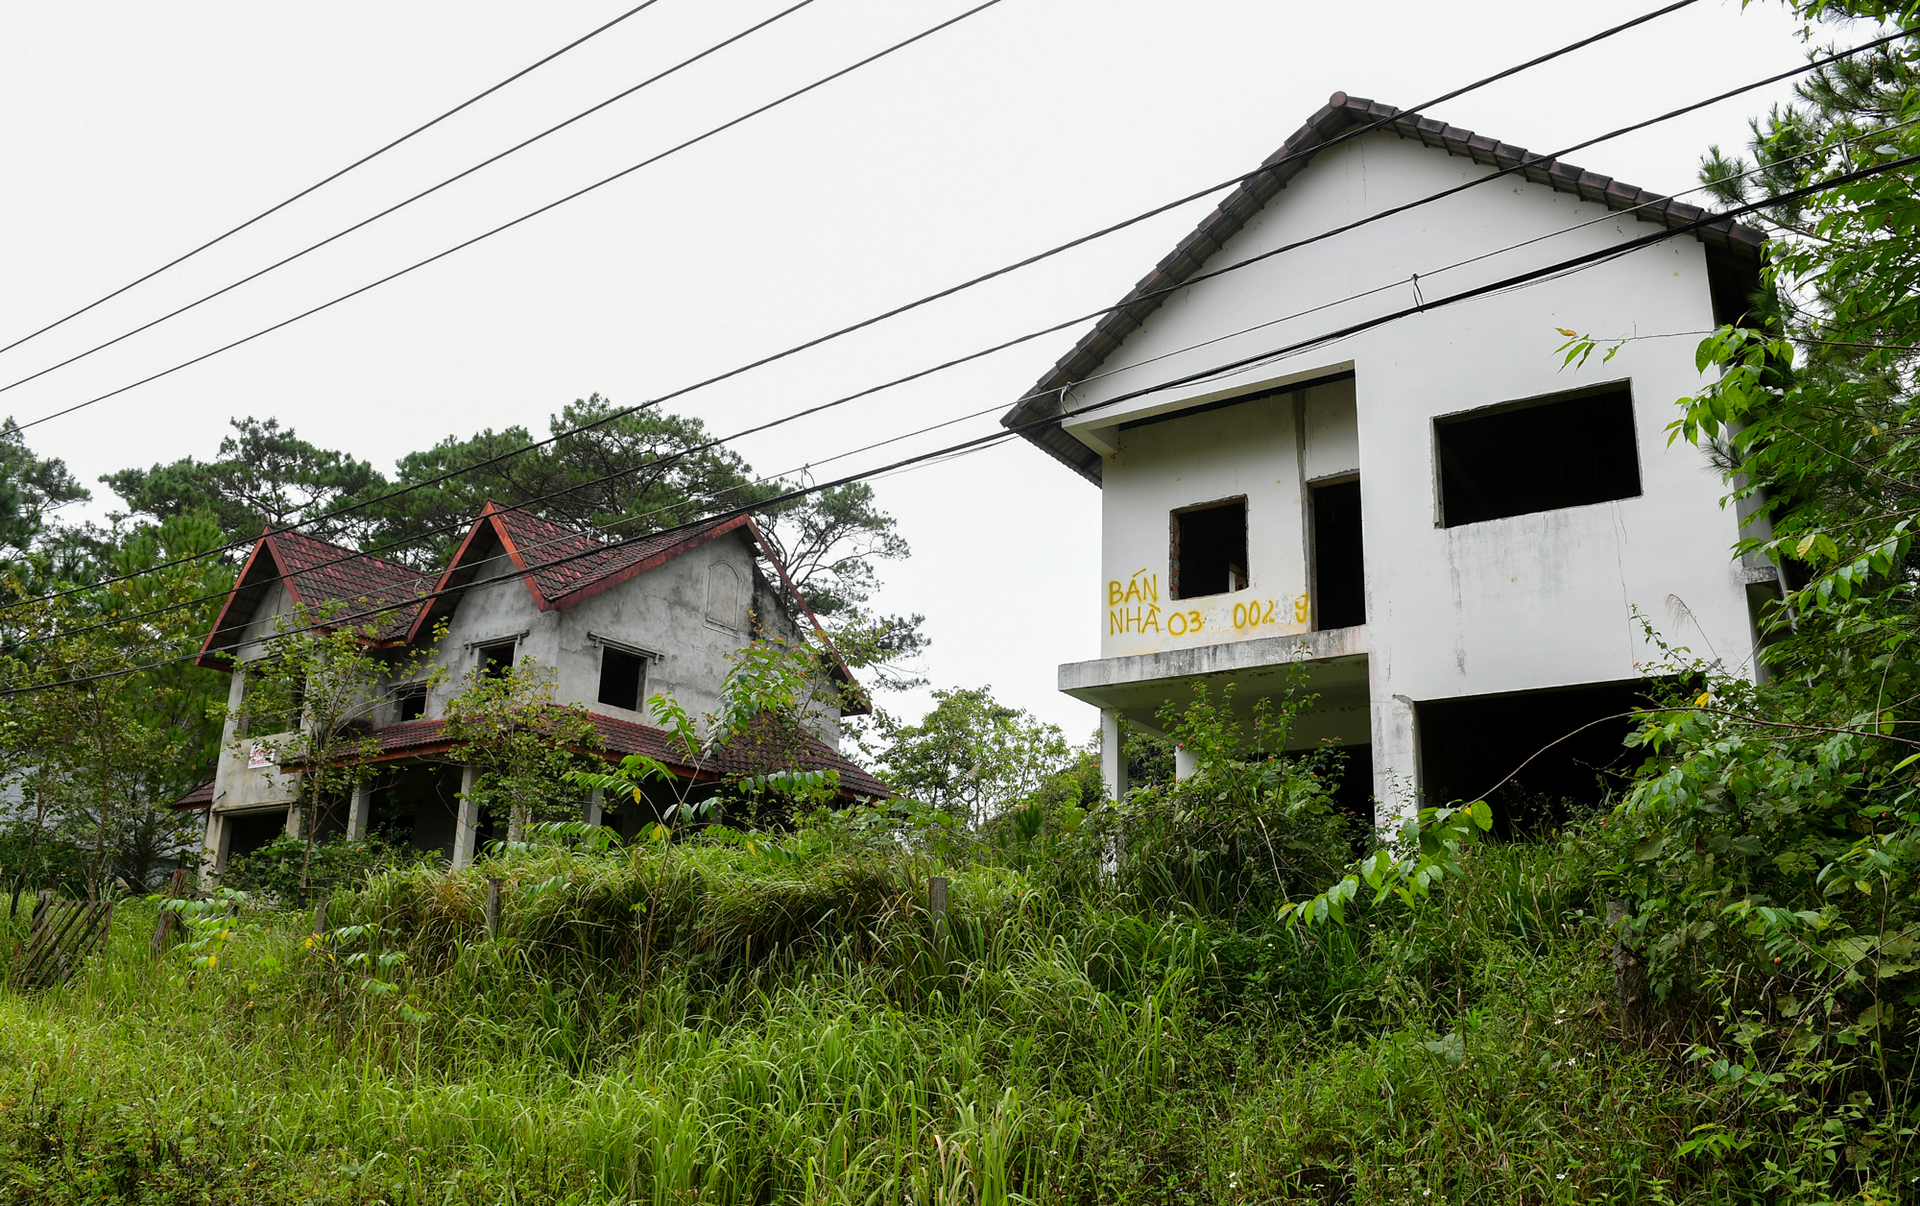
column 272, row 873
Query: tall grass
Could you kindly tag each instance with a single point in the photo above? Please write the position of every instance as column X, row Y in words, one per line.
column 722, row 1024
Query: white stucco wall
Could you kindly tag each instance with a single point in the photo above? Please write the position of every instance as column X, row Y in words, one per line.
column 1526, row 602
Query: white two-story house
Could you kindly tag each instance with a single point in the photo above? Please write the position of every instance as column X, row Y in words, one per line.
column 615, row 622
column 1328, row 457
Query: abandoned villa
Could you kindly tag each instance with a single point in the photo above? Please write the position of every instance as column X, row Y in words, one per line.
column 614, row 622
column 1454, row 538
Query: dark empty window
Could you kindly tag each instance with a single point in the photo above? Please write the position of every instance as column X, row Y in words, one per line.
column 497, row 660
column 622, row 675
column 1339, row 580
column 1209, row 550
column 411, row 704
column 1537, row 457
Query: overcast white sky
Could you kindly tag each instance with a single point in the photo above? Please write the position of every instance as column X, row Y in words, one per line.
column 136, row 131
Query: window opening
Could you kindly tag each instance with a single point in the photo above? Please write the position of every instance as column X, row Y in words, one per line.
column 497, row 660
column 1339, row 578
column 1541, row 456
column 1209, row 550
column 1537, row 757
column 411, row 704
column 622, row 677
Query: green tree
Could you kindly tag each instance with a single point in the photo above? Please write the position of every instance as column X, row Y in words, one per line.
column 106, row 744
column 31, row 489
column 262, row 476
column 315, row 696
column 970, row 755
column 526, row 746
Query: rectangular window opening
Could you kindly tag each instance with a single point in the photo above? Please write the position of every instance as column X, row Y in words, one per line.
column 1209, row 550
column 1540, row 456
column 1339, row 589
column 411, row 702
column 623, row 676
column 497, row 660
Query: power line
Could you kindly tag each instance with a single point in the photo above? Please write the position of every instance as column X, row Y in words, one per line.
column 1563, row 267
column 1187, row 283
column 836, row 334
column 528, row 216
column 364, row 159
column 399, row 205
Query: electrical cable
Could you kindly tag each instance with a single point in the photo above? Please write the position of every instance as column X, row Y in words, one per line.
column 792, row 416
column 364, row 159
column 816, row 341
column 979, row 443
column 528, row 216
column 399, row 205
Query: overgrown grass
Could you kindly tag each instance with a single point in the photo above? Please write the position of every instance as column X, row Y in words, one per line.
column 731, row 1024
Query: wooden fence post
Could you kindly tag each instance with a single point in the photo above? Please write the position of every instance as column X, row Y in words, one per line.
column 493, row 906
column 937, row 906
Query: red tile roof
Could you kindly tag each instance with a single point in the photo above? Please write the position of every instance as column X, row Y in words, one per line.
column 199, row 797
column 561, row 567
column 317, row 573
column 621, row 737
column 1340, row 114
column 322, row 573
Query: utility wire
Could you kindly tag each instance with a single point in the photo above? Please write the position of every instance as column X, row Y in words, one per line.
column 399, row 205
column 626, row 521
column 817, row 340
column 979, row 443
column 528, row 216
column 364, row 159
column 1531, row 162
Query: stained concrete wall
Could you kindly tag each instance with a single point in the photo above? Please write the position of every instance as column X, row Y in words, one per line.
column 1531, row 601
column 689, row 616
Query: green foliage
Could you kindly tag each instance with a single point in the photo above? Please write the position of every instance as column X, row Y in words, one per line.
column 101, row 754
column 1431, row 843
column 263, row 476
column 970, row 755
column 272, row 873
column 314, row 698
column 1247, row 831
column 526, row 746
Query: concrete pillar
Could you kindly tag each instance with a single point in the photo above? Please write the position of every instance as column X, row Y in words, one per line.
column 210, row 843
column 358, row 809
column 594, row 809
column 468, row 820
column 293, row 819
column 1396, row 754
column 1113, row 758
column 1186, row 764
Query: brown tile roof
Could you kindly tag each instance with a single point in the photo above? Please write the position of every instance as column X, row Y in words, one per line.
column 561, row 567
column 322, row 573
column 1340, row 114
column 317, row 573
column 622, row 737
column 199, row 797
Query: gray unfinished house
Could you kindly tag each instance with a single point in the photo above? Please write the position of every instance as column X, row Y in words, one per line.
column 1306, row 462
column 616, row 623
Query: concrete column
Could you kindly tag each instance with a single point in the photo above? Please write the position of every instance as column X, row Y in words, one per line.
column 468, row 820
column 1113, row 758
column 1396, row 755
column 293, row 819
column 358, row 810
column 1186, row 764
column 210, row 843
column 594, row 809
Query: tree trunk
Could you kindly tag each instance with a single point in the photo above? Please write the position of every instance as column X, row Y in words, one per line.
column 1629, row 974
